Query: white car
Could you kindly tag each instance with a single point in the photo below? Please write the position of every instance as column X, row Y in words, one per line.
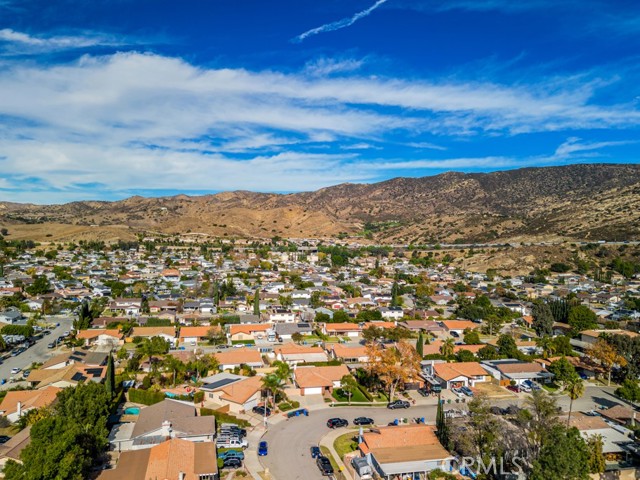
column 15, row 370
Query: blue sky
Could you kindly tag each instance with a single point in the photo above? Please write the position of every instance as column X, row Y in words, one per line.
column 105, row 99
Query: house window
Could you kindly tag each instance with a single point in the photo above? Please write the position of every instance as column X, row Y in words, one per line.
column 207, row 476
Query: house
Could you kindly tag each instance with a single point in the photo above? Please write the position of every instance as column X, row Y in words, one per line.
column 434, row 348
column 167, row 333
column 620, row 414
column 281, row 315
column 170, row 275
column 240, row 394
column 237, row 357
column 317, row 380
column 404, row 451
column 392, row 313
column 12, row 316
column 285, row 330
column 174, row 459
column 294, row 354
column 80, row 357
column 68, row 376
column 592, row 336
column 195, row 335
column 510, row 371
column 430, row 326
column 101, row 337
column 462, row 374
column 248, row 332
column 17, row 403
column 160, row 422
column 458, row 326
column 349, row 354
column 341, row 329
column 128, row 306
column 14, row 446
column 614, row 442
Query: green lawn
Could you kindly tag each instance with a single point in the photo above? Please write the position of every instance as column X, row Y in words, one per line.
column 356, row 397
column 346, row 444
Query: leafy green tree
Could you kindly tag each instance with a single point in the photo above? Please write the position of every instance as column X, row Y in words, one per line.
column 256, row 303
column 39, row 286
column 465, row 356
column 154, row 346
column 348, row 385
column 447, row 347
column 542, row 319
column 297, row 337
column 471, row 337
column 488, row 352
column 372, row 333
column 69, row 442
column 563, row 371
column 174, row 366
column 507, row 346
column 564, row 455
column 630, row 390
column 596, row 455
column 582, row 318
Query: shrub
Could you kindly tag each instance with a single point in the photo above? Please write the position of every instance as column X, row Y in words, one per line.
column 365, row 392
column 145, row 397
column 222, row 417
column 198, row 397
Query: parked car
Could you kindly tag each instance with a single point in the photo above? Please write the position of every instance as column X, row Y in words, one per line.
column 337, row 422
column 324, row 464
column 363, row 421
column 455, row 334
column 315, row 452
column 233, row 432
column 15, row 370
column 46, row 332
column 398, row 404
column 423, row 391
column 467, row 391
column 457, row 391
column 232, row 462
column 231, row 454
column 26, row 373
column 4, row 439
column 513, row 388
column 263, row 449
column 525, row 388
column 231, row 442
column 497, row 410
column 51, row 345
column 260, row 410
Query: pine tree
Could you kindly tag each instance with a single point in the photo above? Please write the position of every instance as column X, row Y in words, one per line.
column 420, row 345
column 256, row 303
column 110, row 381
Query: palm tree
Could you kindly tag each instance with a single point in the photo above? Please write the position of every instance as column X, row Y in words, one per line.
column 172, row 364
column 447, row 347
column 574, row 387
column 271, row 384
column 547, row 346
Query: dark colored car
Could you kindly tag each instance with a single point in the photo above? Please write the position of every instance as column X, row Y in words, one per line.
column 398, row 404
column 233, row 431
column 231, row 454
column 324, row 465
column 4, row 439
column 263, row 449
column 337, row 422
column 513, row 388
column 363, row 421
column 424, row 392
column 51, row 345
column 260, row 410
column 232, row 462
column 46, row 332
column 315, row 452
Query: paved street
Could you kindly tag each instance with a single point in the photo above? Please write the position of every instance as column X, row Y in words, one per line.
column 37, row 353
column 289, row 440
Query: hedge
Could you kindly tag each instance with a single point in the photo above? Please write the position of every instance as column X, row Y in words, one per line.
column 365, row 392
column 286, row 406
column 223, row 417
column 145, row 397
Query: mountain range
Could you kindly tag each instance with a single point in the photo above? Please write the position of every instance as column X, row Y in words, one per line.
column 582, row 201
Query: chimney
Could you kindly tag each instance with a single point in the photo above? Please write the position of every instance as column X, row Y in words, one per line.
column 19, row 407
column 166, row 429
column 182, row 476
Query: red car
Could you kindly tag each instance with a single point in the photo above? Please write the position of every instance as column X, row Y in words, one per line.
column 514, row 388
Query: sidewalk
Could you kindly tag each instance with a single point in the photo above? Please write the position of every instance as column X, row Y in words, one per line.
column 251, row 461
column 327, row 441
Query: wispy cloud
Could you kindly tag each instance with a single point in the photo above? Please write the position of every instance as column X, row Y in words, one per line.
column 323, row 66
column 337, row 25
column 575, row 145
column 15, row 42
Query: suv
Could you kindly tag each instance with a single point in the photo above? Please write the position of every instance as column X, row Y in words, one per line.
column 324, row 465
column 363, row 421
column 467, row 391
column 398, row 404
column 337, row 422
column 231, row 462
column 260, row 410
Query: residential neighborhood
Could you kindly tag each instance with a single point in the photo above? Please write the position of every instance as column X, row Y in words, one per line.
column 204, row 352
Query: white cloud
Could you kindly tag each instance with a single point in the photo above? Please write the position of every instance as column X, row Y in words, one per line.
column 337, row 25
column 20, row 42
column 134, row 120
column 575, row 145
column 327, row 66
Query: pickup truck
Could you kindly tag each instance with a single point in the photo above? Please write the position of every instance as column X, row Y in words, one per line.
column 231, row 442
